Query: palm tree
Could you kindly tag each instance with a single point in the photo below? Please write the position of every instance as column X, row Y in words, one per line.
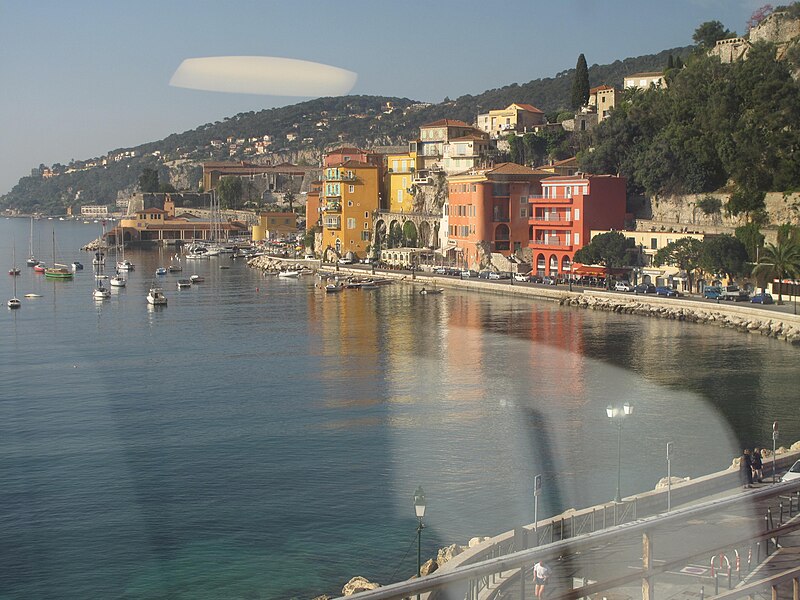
column 778, row 261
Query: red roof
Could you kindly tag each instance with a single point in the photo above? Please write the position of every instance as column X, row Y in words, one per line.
column 528, row 107
column 600, row 88
column 152, row 211
column 355, row 164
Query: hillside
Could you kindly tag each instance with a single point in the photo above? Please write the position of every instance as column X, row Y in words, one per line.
column 299, row 132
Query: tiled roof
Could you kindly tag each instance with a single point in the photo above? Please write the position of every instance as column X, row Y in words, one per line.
column 472, row 137
column 510, row 168
column 600, row 88
column 648, row 74
column 152, row 211
column 355, row 164
column 346, row 150
column 528, row 107
column 446, row 123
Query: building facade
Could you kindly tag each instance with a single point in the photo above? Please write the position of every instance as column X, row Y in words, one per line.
column 645, row 81
column 401, row 169
column 488, row 211
column 564, row 214
column 274, row 226
column 350, row 197
column 515, row 117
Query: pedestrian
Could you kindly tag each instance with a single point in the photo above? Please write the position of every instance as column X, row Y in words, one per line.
column 758, row 465
column 541, row 573
column 746, row 469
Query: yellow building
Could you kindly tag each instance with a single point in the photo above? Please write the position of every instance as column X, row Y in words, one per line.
column 350, row 197
column 517, row 117
column 400, row 170
column 275, row 225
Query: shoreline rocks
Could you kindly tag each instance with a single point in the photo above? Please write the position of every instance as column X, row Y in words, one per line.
column 764, row 325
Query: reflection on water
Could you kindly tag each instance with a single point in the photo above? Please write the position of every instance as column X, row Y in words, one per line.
column 258, row 436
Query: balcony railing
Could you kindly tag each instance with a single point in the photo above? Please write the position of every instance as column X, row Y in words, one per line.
column 553, row 243
column 558, row 221
column 341, row 177
column 333, row 207
column 550, row 200
column 333, row 223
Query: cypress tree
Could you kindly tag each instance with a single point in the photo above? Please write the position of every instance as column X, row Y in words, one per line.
column 580, row 85
column 670, row 62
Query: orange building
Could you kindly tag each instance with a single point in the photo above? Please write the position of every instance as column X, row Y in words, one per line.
column 488, row 211
column 565, row 212
column 314, row 205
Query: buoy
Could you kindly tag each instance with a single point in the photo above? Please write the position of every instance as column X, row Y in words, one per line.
column 256, row 290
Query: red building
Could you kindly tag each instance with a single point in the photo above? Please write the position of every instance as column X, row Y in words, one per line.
column 488, row 211
column 565, row 212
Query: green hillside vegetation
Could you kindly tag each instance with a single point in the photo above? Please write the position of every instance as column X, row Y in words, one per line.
column 356, row 120
column 716, row 126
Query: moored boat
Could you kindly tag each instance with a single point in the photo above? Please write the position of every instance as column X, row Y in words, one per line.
column 427, row 292
column 76, row 266
column 292, row 274
column 14, row 271
column 184, row 283
column 117, row 280
column 156, row 297
column 125, row 265
column 161, row 271
column 101, row 292
column 39, row 267
column 58, row 272
column 196, row 279
column 332, row 288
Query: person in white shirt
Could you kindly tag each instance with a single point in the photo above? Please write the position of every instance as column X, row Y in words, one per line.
column 541, row 573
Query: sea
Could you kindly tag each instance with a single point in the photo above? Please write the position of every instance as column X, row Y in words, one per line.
column 258, row 438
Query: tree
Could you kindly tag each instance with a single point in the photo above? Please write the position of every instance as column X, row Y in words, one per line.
column 289, row 198
column 148, row 181
column 580, row 84
column 709, row 33
column 778, row 261
column 723, row 255
column 683, row 253
column 747, row 201
column 759, row 15
column 610, row 249
column 516, row 149
column 309, row 239
column 166, row 188
column 229, row 191
column 752, row 238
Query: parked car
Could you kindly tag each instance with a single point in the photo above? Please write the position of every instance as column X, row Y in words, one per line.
column 623, row 286
column 762, row 298
column 345, row 261
column 524, row 277
column 484, row 274
column 549, row 280
column 712, row 292
column 468, row 273
column 665, row 290
column 440, row 270
column 793, row 473
column 644, row 288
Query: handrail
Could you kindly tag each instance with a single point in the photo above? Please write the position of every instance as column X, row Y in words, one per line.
column 748, row 588
column 551, row 551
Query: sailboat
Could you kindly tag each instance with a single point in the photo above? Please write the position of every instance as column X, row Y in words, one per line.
column 99, row 257
column 101, row 292
column 117, row 279
column 32, row 262
column 57, row 271
column 14, row 302
column 124, row 265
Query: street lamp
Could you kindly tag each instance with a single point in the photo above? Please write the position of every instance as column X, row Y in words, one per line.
column 617, row 415
column 419, row 510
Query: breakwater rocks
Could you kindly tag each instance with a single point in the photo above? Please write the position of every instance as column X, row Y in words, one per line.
column 771, row 325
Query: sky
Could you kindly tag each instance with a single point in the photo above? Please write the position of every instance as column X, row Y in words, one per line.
column 82, row 78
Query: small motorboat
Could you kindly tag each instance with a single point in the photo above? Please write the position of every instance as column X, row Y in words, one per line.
column 332, row 288
column 117, row 280
column 32, row 262
column 125, row 265
column 196, row 279
column 224, row 267
column 33, row 295
column 427, row 292
column 76, row 266
column 156, row 297
column 184, row 283
column 15, row 271
column 288, row 274
column 39, row 268
column 14, row 302
column 161, row 271
column 175, row 268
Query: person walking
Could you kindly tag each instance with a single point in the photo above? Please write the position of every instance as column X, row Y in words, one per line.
column 746, row 469
column 758, row 465
column 541, row 573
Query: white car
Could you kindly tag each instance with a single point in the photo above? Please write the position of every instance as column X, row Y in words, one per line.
column 793, row 473
column 623, row 286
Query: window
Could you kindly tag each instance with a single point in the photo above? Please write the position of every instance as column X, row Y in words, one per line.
column 569, row 191
column 653, row 243
column 351, row 188
column 523, row 213
column 366, row 225
column 577, row 214
column 394, row 165
column 365, row 236
column 523, row 199
column 366, row 214
column 576, row 239
column 351, row 223
column 349, row 203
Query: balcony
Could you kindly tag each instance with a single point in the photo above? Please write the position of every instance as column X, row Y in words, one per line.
column 341, row 177
column 333, row 223
column 539, row 199
column 332, row 207
column 549, row 219
column 551, row 243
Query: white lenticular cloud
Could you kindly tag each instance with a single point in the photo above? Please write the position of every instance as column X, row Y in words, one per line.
column 267, row 75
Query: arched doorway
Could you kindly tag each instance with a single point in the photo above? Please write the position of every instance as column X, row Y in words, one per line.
column 553, row 264
column 410, row 236
column 338, row 246
column 502, row 237
column 540, row 265
column 394, row 239
column 425, row 235
column 566, row 265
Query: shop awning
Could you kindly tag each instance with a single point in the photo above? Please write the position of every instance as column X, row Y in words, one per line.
column 597, row 270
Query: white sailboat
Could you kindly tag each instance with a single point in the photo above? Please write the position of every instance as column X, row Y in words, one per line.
column 123, row 264
column 156, row 297
column 14, row 302
column 32, row 262
column 101, row 292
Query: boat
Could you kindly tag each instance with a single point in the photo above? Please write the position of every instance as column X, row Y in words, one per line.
column 156, row 297
column 76, row 266
column 14, row 302
column 196, row 279
column 31, row 262
column 99, row 258
column 224, row 267
column 117, row 280
column 33, row 295
column 293, row 274
column 175, row 268
column 125, row 265
column 426, row 292
column 161, row 271
column 57, row 271
column 101, row 292
column 14, row 271
column 184, row 283
column 39, row 267
column 332, row 288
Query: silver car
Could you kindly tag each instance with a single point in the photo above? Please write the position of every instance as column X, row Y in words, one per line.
column 793, row 473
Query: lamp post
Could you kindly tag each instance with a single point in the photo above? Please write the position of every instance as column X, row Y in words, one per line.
column 419, row 510
column 617, row 415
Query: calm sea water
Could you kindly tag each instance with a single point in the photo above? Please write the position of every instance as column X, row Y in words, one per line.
column 259, row 439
